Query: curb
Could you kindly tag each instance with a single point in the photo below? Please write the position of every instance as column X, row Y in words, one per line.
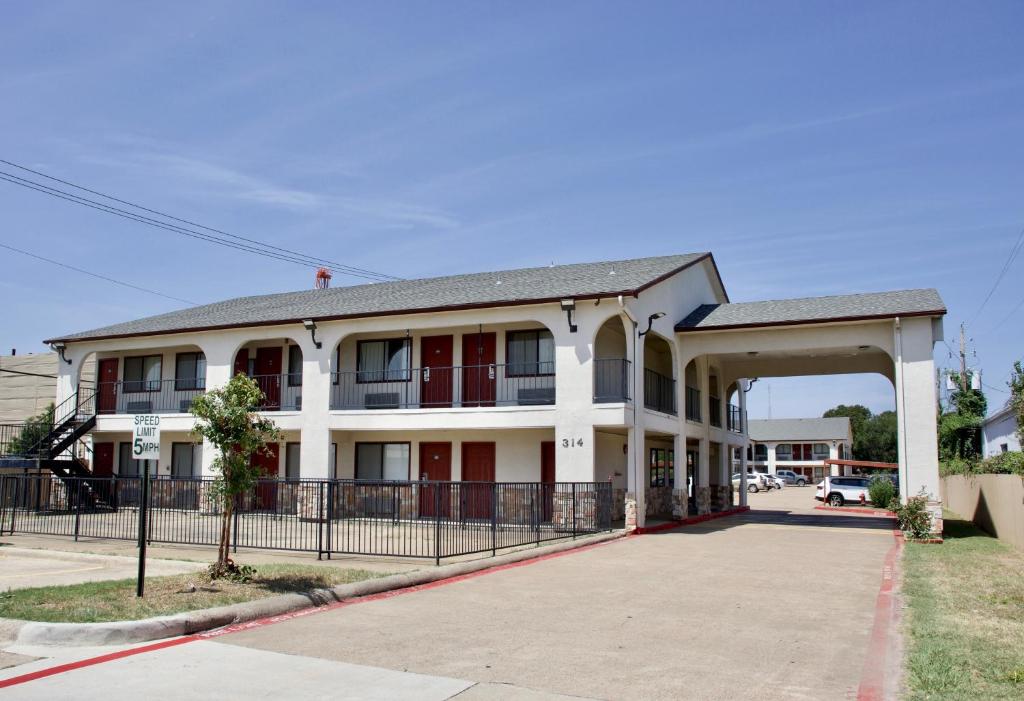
column 862, row 511
column 691, row 520
column 190, row 622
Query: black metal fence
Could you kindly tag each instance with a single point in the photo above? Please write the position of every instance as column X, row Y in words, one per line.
column 435, row 520
column 611, row 380
column 659, row 392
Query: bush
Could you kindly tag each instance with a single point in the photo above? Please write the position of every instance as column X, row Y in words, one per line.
column 881, row 491
column 1010, row 463
column 914, row 517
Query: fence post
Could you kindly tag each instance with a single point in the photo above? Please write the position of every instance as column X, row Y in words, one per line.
column 3, row 501
column 320, row 520
column 14, row 506
column 494, row 519
column 574, row 511
column 78, row 509
column 330, row 517
column 234, row 527
column 437, row 524
column 534, row 516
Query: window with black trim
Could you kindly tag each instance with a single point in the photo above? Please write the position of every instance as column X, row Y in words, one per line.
column 663, row 469
column 530, row 353
column 189, row 371
column 294, row 366
column 142, row 373
column 183, row 459
column 384, row 360
column 784, row 451
column 382, row 461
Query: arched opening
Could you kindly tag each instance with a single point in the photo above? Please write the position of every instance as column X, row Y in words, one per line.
column 659, row 375
column 692, row 386
column 611, row 368
column 275, row 365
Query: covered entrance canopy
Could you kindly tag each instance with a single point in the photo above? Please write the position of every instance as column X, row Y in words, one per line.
column 889, row 333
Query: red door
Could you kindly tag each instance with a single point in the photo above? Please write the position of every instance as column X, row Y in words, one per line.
column 102, row 459
column 477, row 479
column 268, row 374
column 242, row 362
column 106, row 402
column 436, row 376
column 547, row 479
column 266, row 488
column 479, row 371
column 435, row 466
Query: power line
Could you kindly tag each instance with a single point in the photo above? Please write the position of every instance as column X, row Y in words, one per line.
column 30, row 374
column 97, row 275
column 1002, row 273
column 263, row 248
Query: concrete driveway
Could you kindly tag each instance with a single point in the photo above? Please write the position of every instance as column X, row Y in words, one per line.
column 775, row 604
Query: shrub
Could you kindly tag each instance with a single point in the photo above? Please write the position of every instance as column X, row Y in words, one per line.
column 1010, row 463
column 914, row 517
column 881, row 491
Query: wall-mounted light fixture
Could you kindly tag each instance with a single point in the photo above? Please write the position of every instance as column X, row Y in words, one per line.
column 569, row 307
column 650, row 322
column 59, row 349
column 311, row 327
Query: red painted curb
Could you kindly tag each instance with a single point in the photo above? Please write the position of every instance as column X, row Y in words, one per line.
column 858, row 511
column 270, row 620
column 690, row 521
column 874, row 677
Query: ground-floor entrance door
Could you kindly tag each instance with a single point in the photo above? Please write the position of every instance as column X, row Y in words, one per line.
column 266, row 490
column 547, row 480
column 435, row 466
column 478, row 471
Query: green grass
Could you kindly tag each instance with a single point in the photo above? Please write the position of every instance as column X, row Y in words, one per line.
column 93, row 602
column 965, row 617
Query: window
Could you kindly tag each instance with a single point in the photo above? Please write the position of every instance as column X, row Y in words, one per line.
column 1004, row 447
column 142, row 373
column 382, row 461
column 383, row 361
column 530, row 353
column 761, row 452
column 189, row 371
column 820, row 450
column 784, row 451
column 291, row 461
column 662, row 467
column 183, row 460
column 294, row 366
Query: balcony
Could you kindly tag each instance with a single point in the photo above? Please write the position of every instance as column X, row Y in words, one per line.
column 470, row 386
column 611, row 380
column 692, row 403
column 280, row 393
column 734, row 419
column 715, row 411
column 659, row 392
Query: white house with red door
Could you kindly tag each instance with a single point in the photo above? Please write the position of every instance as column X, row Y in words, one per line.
column 629, row 371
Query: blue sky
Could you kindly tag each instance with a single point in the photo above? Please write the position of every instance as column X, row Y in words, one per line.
column 816, row 149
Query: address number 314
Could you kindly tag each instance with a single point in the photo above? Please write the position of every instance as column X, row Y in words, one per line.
column 572, row 442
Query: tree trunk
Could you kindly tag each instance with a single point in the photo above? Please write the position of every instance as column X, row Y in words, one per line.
column 225, row 536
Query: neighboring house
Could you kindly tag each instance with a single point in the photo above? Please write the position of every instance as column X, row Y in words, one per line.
column 28, row 384
column 800, row 445
column 999, row 432
column 624, row 371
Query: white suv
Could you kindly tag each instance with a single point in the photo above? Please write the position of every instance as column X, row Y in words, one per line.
column 756, row 481
column 836, row 491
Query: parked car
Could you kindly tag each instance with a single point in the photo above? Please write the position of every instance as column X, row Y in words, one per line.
column 836, row 491
column 791, row 477
column 776, row 481
column 756, row 481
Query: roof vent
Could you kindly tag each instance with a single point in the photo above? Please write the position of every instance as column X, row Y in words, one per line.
column 612, row 271
column 323, row 279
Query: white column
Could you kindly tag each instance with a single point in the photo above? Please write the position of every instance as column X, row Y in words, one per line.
column 741, row 384
column 916, row 409
column 574, row 399
column 771, row 467
column 220, row 362
column 315, row 454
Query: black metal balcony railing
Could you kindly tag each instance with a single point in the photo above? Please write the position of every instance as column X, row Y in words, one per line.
column 148, row 396
column 715, row 411
column 659, row 392
column 734, row 419
column 611, row 380
column 530, row 384
column 692, row 403
column 280, row 392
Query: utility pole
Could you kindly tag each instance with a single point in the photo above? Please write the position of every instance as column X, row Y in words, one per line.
column 964, row 384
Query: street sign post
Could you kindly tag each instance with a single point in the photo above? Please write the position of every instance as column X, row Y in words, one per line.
column 145, row 447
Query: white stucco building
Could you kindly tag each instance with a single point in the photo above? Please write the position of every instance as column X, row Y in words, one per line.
column 800, row 445
column 999, row 432
column 626, row 371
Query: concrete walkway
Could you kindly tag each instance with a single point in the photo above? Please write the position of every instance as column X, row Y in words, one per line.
column 774, row 604
column 24, row 567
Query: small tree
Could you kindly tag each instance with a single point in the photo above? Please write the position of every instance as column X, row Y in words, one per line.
column 1016, row 385
column 29, row 440
column 227, row 421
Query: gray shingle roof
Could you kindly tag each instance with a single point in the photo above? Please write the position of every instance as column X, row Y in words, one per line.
column 809, row 310
column 526, row 285
column 799, row 429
